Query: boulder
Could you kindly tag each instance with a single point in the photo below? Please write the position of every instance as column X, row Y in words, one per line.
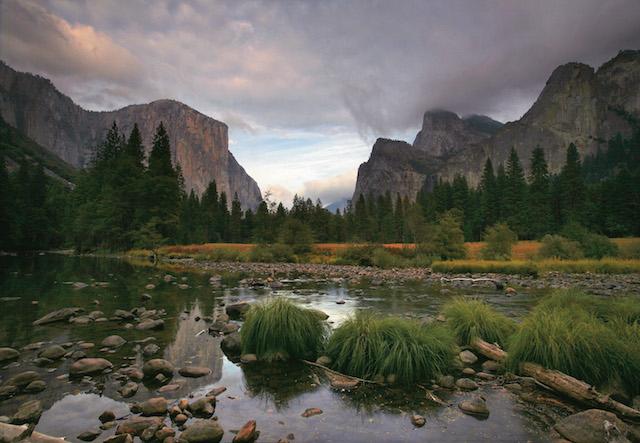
column 467, row 357
column 113, row 341
column 247, row 433
column 22, row 379
column 136, row 425
column 194, row 371
column 8, row 391
column 231, row 344
column 53, row 352
column 129, row 390
column 60, row 315
column 157, row 366
column 324, row 360
column 150, row 324
column 120, row 438
column 28, row 412
column 203, row 407
column 491, row 366
column 237, row 310
column 88, row 366
column 89, row 435
column 35, row 387
column 467, row 384
column 8, row 354
column 154, row 406
column 107, row 416
column 476, row 406
column 202, row 431
column 592, row 426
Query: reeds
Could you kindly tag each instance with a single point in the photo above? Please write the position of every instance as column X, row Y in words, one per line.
column 469, row 319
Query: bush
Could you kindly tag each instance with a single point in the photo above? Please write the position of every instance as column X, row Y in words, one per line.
column 278, row 329
column 445, row 239
column 368, row 346
column 297, row 235
column 470, row 319
column 556, row 246
column 276, row 253
column 500, row 239
column 592, row 245
column 361, row 255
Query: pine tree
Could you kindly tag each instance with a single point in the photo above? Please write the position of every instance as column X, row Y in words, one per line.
column 490, row 199
column 134, row 148
column 235, row 226
column 572, row 188
column 514, row 197
column 539, row 197
column 160, row 158
column 6, row 208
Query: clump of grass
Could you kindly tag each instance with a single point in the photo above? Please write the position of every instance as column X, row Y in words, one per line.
column 470, row 319
column 611, row 308
column 368, row 346
column 278, row 329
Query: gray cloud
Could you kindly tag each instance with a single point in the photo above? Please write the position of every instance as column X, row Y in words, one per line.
column 367, row 66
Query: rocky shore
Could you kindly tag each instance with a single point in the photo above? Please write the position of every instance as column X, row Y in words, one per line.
column 603, row 284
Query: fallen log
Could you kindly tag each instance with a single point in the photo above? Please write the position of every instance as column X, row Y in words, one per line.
column 562, row 383
column 498, row 283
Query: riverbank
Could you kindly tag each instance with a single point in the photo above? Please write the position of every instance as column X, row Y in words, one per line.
column 261, row 273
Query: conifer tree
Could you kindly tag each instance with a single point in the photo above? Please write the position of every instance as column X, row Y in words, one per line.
column 539, row 197
column 572, row 188
column 490, row 204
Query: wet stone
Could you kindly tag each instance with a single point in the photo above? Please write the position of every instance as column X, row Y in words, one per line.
column 88, row 366
column 8, row 354
column 35, row 387
column 476, row 406
column 247, row 433
column 203, row 431
column 418, row 421
column 28, row 412
column 194, row 371
column 467, row 357
column 129, row 390
column 107, row 416
column 157, row 366
column 89, row 435
column 113, row 341
column 310, row 412
column 466, row 384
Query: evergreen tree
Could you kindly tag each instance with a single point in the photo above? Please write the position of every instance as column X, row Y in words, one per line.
column 539, row 197
column 515, row 194
column 6, row 209
column 235, row 226
column 572, row 188
column 490, row 199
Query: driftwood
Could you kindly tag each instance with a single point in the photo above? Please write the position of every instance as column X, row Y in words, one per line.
column 339, row 374
column 433, row 397
column 562, row 383
column 498, row 283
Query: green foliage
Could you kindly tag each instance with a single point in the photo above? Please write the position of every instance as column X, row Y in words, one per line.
column 297, row 235
column 556, row 246
column 593, row 245
column 470, row 319
column 367, row 346
column 500, row 239
column 278, row 329
column 361, row 255
column 446, row 238
column 275, row 253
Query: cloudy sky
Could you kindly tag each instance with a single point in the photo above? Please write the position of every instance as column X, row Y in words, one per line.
column 307, row 86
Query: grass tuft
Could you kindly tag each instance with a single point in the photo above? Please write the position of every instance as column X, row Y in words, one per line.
column 278, row 329
column 470, row 319
column 367, row 346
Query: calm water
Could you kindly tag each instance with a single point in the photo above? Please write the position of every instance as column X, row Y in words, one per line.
column 274, row 396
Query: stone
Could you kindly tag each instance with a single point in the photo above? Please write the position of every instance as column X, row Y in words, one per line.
column 35, row 387
column 469, row 371
column 467, row 357
column 133, row 373
column 466, row 384
column 229, row 328
column 145, row 297
column 136, row 425
column 169, row 388
column 247, row 433
column 476, row 406
column 63, row 314
column 216, row 391
column 79, row 285
column 124, row 315
column 150, row 286
column 150, row 324
column 53, row 352
column 231, row 344
column 8, row 354
column 248, row 358
column 157, row 366
column 237, row 310
column 154, row 406
column 447, row 381
column 28, row 412
column 89, row 435
column 418, row 421
column 310, row 412
column 77, row 355
column 22, row 379
column 168, row 278
column 510, row 291
column 194, row 371
column 107, row 416
column 323, row 360
column 150, row 349
column 120, row 438
column 180, row 419
column 202, row 431
column 163, row 433
column 89, row 366
column 203, row 407
column 81, row 320
column 8, row 391
column 129, row 390
column 491, row 366
column 591, row 426
column 113, row 341
column 485, row 376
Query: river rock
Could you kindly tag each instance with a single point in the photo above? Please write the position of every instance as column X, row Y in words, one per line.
column 60, row 315
column 28, row 412
column 35, row 387
column 123, row 315
column 447, row 381
column 154, row 406
column 88, row 366
column 203, row 407
column 113, row 341
column 592, row 426
column 418, row 421
column 194, row 371
column 237, row 310
column 89, row 435
column 53, row 352
column 136, row 425
column 107, row 416
column 120, row 438
column 247, row 433
column 469, row 371
column 150, row 349
column 468, row 357
column 180, row 419
column 231, row 344
column 216, row 391
column 22, row 379
column 491, row 366
column 310, row 412
column 324, row 360
column 168, row 278
column 164, row 433
column 150, row 324
column 8, row 354
column 202, row 431
column 7, row 391
column 129, row 390
column 133, row 373
column 157, row 366
column 248, row 358
column 476, row 406
column 466, row 384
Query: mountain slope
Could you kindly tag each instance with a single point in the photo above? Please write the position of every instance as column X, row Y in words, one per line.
column 577, row 105
column 199, row 143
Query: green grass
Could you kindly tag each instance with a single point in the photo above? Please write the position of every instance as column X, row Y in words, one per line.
column 367, row 346
column 470, row 319
column 538, row 267
column 278, row 329
column 592, row 338
column 485, row 266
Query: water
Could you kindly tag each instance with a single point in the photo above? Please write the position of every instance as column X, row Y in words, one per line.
column 274, row 396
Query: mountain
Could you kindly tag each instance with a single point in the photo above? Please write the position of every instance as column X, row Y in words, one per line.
column 340, row 204
column 577, row 105
column 199, row 143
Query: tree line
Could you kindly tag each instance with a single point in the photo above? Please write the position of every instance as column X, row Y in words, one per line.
column 125, row 200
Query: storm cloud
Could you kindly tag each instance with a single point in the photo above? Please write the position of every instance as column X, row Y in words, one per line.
column 369, row 68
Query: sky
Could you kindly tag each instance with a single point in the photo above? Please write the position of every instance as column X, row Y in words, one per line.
column 307, row 86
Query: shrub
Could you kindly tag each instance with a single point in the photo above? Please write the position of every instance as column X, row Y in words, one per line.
column 279, row 329
column 556, row 246
column 499, row 241
column 276, row 253
column 470, row 319
column 361, row 255
column 368, row 346
column 298, row 235
column 445, row 239
column 592, row 245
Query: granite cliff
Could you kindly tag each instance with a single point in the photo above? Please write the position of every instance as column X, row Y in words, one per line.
column 577, row 105
column 199, row 143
